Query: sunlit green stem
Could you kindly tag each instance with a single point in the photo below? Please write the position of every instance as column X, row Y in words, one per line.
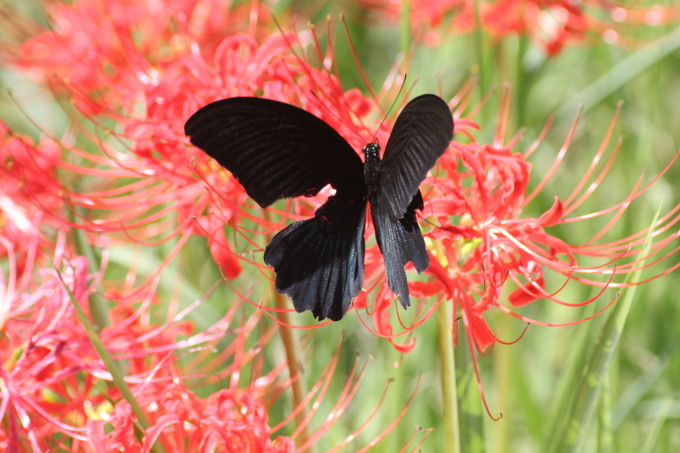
column 99, row 309
column 584, row 392
column 448, row 378
column 293, row 359
column 111, row 365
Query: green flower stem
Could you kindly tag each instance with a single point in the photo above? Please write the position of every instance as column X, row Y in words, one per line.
column 99, row 309
column 405, row 25
column 448, row 378
column 111, row 365
column 293, row 359
column 662, row 413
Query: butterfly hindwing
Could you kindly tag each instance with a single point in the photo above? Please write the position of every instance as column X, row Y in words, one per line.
column 400, row 241
column 319, row 262
column 420, row 136
column 274, row 149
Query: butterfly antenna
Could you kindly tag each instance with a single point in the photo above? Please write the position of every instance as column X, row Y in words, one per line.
column 401, row 88
column 337, row 117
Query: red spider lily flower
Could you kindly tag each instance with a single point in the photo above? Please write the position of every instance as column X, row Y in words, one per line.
column 54, row 389
column 225, row 421
column 550, row 23
column 483, row 242
column 147, row 184
column 48, row 366
column 163, row 184
column 49, row 372
column 231, row 419
column 157, row 60
column 134, row 39
column 142, row 182
column 27, row 180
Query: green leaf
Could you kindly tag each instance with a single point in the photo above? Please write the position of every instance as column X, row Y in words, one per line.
column 663, row 410
column 471, row 414
column 583, row 392
column 622, row 73
column 448, row 379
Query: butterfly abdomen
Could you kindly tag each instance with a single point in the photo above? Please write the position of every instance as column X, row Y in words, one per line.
column 372, row 168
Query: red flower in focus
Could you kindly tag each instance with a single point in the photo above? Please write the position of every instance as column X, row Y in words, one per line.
column 478, row 200
column 56, row 391
column 153, row 189
column 142, row 182
column 482, row 241
column 162, row 184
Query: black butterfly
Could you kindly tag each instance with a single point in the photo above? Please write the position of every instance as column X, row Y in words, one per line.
column 277, row 150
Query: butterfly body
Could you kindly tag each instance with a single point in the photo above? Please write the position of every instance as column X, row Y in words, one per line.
column 277, row 150
column 372, row 168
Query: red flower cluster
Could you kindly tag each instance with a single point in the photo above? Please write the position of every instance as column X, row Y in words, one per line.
column 230, row 421
column 151, row 187
column 482, row 242
column 124, row 173
column 138, row 183
column 149, row 88
column 27, row 187
column 55, row 391
column 51, row 378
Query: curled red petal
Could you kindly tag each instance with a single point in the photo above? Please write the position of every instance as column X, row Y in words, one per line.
column 225, row 258
column 552, row 216
column 526, row 294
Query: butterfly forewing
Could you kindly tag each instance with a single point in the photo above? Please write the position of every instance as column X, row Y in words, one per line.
column 420, row 136
column 275, row 150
